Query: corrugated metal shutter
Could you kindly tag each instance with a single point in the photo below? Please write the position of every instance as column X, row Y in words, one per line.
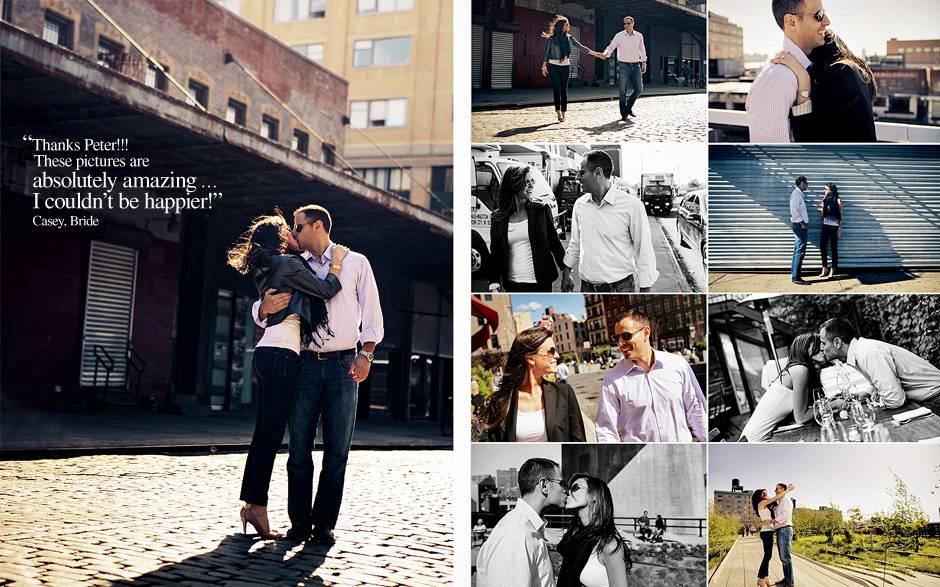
column 502, row 61
column 890, row 195
column 575, row 33
column 476, row 57
column 109, row 308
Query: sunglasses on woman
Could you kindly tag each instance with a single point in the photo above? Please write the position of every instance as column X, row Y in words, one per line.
column 576, row 486
column 819, row 15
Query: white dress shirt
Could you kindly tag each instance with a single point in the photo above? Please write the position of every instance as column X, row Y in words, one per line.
column 612, row 240
column 515, row 554
column 356, row 303
column 898, row 374
column 784, row 512
column 770, row 98
column 798, row 207
column 640, row 406
column 630, row 48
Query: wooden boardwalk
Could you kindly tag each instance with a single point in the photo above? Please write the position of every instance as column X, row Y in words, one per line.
column 739, row 569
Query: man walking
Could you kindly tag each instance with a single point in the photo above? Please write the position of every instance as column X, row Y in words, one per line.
column 772, row 95
column 611, row 242
column 631, row 53
column 784, row 526
column 799, row 221
column 328, row 379
column 515, row 554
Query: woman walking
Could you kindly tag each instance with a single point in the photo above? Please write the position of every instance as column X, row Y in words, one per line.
column 557, row 64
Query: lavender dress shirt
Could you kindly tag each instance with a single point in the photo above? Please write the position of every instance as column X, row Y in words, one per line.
column 637, row 406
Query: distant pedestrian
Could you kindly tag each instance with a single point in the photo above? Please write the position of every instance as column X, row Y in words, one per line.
column 563, row 373
column 686, row 73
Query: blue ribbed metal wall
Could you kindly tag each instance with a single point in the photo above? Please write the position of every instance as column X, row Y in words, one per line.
column 890, row 195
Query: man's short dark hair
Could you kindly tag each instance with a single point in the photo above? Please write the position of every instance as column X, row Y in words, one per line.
column 313, row 213
column 598, row 158
column 839, row 327
column 800, row 180
column 637, row 317
column 784, row 485
column 533, row 471
column 782, row 8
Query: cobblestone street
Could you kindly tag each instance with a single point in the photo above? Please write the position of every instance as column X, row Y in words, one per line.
column 658, row 119
column 173, row 520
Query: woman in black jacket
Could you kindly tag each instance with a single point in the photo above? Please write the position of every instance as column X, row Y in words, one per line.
column 268, row 250
column 842, row 90
column 526, row 407
column 526, row 250
column 556, row 63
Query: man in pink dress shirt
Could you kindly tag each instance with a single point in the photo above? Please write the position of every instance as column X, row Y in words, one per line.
column 773, row 93
column 649, row 396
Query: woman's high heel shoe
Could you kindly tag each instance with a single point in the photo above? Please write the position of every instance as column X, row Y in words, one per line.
column 249, row 517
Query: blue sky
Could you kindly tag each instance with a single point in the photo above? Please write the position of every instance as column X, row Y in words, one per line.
column 848, row 475
column 561, row 303
column 862, row 24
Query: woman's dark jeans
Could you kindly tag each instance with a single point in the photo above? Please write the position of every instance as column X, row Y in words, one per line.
column 514, row 287
column 276, row 372
column 830, row 232
column 559, row 75
column 768, row 539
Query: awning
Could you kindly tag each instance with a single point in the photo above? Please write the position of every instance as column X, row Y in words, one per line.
column 490, row 324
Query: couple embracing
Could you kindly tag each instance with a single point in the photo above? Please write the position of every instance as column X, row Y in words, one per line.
column 776, row 516
column 315, row 294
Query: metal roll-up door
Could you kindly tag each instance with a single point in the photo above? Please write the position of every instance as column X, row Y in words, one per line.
column 109, row 308
column 575, row 33
column 502, row 61
column 476, row 57
column 890, row 196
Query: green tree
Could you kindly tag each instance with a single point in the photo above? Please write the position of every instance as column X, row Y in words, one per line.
column 907, row 516
column 721, row 527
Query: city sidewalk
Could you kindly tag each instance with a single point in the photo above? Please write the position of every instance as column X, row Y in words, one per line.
column 527, row 97
column 849, row 282
column 27, row 432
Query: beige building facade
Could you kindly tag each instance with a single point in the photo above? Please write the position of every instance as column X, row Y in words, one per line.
column 725, row 39
column 397, row 56
column 916, row 52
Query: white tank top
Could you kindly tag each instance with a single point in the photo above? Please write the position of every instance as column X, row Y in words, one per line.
column 521, row 266
column 283, row 335
column 530, row 427
column 765, row 516
column 594, row 573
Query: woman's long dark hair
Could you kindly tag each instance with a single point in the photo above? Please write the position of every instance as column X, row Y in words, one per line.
column 515, row 373
column 580, row 540
column 513, row 182
column 831, row 203
column 556, row 33
column 757, row 498
column 265, row 238
column 802, row 350
column 834, row 50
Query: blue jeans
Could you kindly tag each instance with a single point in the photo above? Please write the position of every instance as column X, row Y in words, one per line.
column 799, row 250
column 559, row 75
column 276, row 372
column 629, row 74
column 625, row 285
column 784, row 536
column 324, row 389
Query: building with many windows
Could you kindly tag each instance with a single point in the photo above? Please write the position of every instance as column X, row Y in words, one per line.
column 397, row 56
column 595, row 321
column 677, row 321
column 569, row 334
column 725, row 47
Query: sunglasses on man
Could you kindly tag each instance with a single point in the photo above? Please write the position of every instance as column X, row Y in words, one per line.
column 818, row 15
column 625, row 336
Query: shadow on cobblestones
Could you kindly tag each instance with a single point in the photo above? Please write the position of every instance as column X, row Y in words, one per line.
column 522, row 130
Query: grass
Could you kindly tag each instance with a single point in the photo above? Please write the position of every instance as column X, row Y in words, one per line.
column 818, row 549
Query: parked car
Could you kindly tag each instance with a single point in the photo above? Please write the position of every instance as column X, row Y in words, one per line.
column 692, row 223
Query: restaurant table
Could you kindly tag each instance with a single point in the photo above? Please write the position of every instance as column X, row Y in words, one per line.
column 920, row 428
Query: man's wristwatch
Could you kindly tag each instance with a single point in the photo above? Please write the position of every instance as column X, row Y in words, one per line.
column 367, row 355
column 803, row 93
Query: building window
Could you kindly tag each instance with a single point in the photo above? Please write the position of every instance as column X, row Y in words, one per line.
column 291, row 10
column 235, row 113
column 442, row 184
column 7, row 13
column 269, row 128
column 376, row 6
column 382, row 52
column 300, row 142
column 234, row 6
column 155, row 78
column 57, row 30
column 390, row 179
column 200, row 92
column 313, row 52
column 378, row 113
column 327, row 154
column 106, row 52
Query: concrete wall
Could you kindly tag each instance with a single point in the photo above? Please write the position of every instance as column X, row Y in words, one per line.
column 665, row 479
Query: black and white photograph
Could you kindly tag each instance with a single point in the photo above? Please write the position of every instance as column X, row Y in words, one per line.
column 589, row 71
column 824, row 219
column 588, row 368
column 588, row 515
column 588, row 217
column 824, row 368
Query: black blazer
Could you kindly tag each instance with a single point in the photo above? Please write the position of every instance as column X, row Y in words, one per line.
column 563, row 422
column 842, row 110
column 291, row 274
column 547, row 252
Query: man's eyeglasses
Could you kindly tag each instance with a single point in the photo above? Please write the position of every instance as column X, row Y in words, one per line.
column 625, row 337
column 819, row 15
column 628, row 22
column 300, row 226
column 550, row 353
column 561, row 482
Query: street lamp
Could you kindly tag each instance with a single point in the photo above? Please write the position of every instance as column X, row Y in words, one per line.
column 643, row 156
